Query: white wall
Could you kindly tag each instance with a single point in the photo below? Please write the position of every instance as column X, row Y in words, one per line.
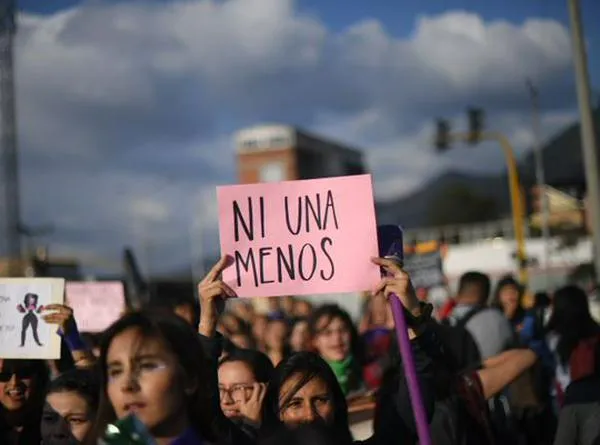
column 494, row 257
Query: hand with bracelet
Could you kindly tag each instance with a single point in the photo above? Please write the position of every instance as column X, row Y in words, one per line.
column 62, row 315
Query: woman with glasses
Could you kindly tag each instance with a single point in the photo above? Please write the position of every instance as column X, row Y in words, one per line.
column 243, row 378
column 305, row 388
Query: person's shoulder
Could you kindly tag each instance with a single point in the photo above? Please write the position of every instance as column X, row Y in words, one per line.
column 492, row 313
column 490, row 310
column 489, row 315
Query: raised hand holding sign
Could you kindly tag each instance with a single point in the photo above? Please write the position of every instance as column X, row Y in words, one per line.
column 396, row 285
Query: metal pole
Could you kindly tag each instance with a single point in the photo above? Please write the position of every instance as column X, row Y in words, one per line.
column 588, row 137
column 540, row 177
column 10, row 239
column 516, row 198
column 516, row 203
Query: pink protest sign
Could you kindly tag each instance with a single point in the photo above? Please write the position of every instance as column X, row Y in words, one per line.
column 299, row 237
column 96, row 304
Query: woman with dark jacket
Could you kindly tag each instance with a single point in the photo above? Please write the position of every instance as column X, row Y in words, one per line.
column 305, row 389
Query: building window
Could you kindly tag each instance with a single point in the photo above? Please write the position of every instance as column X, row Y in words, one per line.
column 272, row 172
column 250, row 144
column 280, row 142
column 266, row 143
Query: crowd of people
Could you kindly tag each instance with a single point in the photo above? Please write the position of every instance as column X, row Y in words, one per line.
column 213, row 370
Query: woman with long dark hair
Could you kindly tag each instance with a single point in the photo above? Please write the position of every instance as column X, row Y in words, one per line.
column 152, row 365
column 575, row 340
column 22, row 389
column 570, row 321
column 304, row 388
column 570, row 324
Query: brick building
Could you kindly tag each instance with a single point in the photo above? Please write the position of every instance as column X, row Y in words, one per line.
column 273, row 153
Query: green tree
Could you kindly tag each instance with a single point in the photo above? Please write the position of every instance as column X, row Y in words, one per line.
column 458, row 204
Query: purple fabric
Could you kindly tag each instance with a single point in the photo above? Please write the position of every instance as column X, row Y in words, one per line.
column 387, row 235
column 188, row 438
column 276, row 316
column 73, row 340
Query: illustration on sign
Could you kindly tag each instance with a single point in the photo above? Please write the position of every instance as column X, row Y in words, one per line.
column 23, row 332
column 31, row 310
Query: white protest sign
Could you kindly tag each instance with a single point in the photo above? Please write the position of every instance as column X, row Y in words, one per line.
column 23, row 332
column 96, row 304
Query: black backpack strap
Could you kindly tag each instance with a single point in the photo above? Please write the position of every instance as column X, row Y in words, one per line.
column 464, row 320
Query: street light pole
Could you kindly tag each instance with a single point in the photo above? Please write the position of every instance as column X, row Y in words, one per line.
column 540, row 175
column 514, row 185
column 588, row 137
column 516, row 200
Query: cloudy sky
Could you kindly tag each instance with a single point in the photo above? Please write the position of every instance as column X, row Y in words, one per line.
column 127, row 108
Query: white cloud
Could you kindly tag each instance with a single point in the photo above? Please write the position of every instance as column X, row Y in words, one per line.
column 114, row 98
column 150, row 209
column 470, row 53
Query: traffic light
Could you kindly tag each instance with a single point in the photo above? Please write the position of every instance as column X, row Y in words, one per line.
column 442, row 135
column 475, row 116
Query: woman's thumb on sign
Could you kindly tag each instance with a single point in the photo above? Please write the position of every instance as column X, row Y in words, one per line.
column 212, row 285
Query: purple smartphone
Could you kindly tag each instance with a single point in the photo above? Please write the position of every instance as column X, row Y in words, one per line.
column 391, row 243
